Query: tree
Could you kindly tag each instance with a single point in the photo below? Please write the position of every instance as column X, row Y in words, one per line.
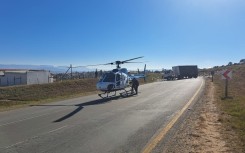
column 230, row 63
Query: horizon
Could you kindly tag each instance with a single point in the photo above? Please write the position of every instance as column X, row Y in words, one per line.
column 86, row 69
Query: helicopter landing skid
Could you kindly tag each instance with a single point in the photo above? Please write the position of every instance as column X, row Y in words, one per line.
column 125, row 93
column 107, row 95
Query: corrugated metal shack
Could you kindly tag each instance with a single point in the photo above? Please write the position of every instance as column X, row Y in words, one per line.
column 10, row 77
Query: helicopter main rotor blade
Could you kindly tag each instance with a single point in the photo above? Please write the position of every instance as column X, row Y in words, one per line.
column 119, row 62
column 101, row 64
column 133, row 62
column 132, row 59
column 78, row 66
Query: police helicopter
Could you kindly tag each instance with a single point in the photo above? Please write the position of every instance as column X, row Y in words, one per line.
column 117, row 79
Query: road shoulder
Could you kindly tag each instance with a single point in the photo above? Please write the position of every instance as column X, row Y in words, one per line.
column 202, row 130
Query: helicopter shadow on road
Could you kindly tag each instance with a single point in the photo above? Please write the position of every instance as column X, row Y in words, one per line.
column 81, row 106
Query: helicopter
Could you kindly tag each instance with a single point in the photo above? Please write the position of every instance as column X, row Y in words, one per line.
column 117, row 79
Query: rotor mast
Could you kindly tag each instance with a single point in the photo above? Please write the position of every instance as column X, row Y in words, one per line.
column 118, row 64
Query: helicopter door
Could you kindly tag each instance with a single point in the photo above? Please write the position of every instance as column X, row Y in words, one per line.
column 118, row 80
column 123, row 79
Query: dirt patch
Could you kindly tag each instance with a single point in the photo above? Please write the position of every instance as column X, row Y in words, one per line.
column 209, row 128
column 203, row 130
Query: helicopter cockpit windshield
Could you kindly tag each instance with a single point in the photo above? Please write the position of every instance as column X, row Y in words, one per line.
column 108, row 77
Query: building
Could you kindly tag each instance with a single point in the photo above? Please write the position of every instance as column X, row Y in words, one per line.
column 10, row 77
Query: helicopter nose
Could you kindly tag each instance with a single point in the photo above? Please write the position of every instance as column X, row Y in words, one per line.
column 98, row 85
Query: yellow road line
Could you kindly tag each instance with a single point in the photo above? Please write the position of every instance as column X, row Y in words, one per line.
column 153, row 143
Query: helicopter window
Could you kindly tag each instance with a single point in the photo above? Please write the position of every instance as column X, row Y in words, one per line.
column 109, row 77
column 101, row 78
column 115, row 70
column 123, row 79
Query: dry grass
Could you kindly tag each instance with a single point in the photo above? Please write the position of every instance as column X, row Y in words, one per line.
column 233, row 107
column 18, row 96
column 22, row 95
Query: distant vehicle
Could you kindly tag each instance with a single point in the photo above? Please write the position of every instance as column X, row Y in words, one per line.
column 168, row 74
column 185, row 71
column 242, row 61
column 117, row 79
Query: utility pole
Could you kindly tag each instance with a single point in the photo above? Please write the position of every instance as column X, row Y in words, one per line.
column 71, row 70
column 96, row 74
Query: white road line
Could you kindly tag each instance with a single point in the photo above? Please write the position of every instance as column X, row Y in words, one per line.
column 34, row 137
column 23, row 120
column 30, row 118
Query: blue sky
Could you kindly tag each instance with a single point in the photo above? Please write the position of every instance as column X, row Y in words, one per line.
column 83, row 32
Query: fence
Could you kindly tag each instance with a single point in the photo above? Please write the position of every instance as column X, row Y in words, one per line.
column 77, row 75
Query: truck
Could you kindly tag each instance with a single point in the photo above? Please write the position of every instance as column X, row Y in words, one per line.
column 168, row 74
column 185, row 71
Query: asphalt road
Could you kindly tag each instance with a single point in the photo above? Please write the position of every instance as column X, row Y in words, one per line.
column 91, row 125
